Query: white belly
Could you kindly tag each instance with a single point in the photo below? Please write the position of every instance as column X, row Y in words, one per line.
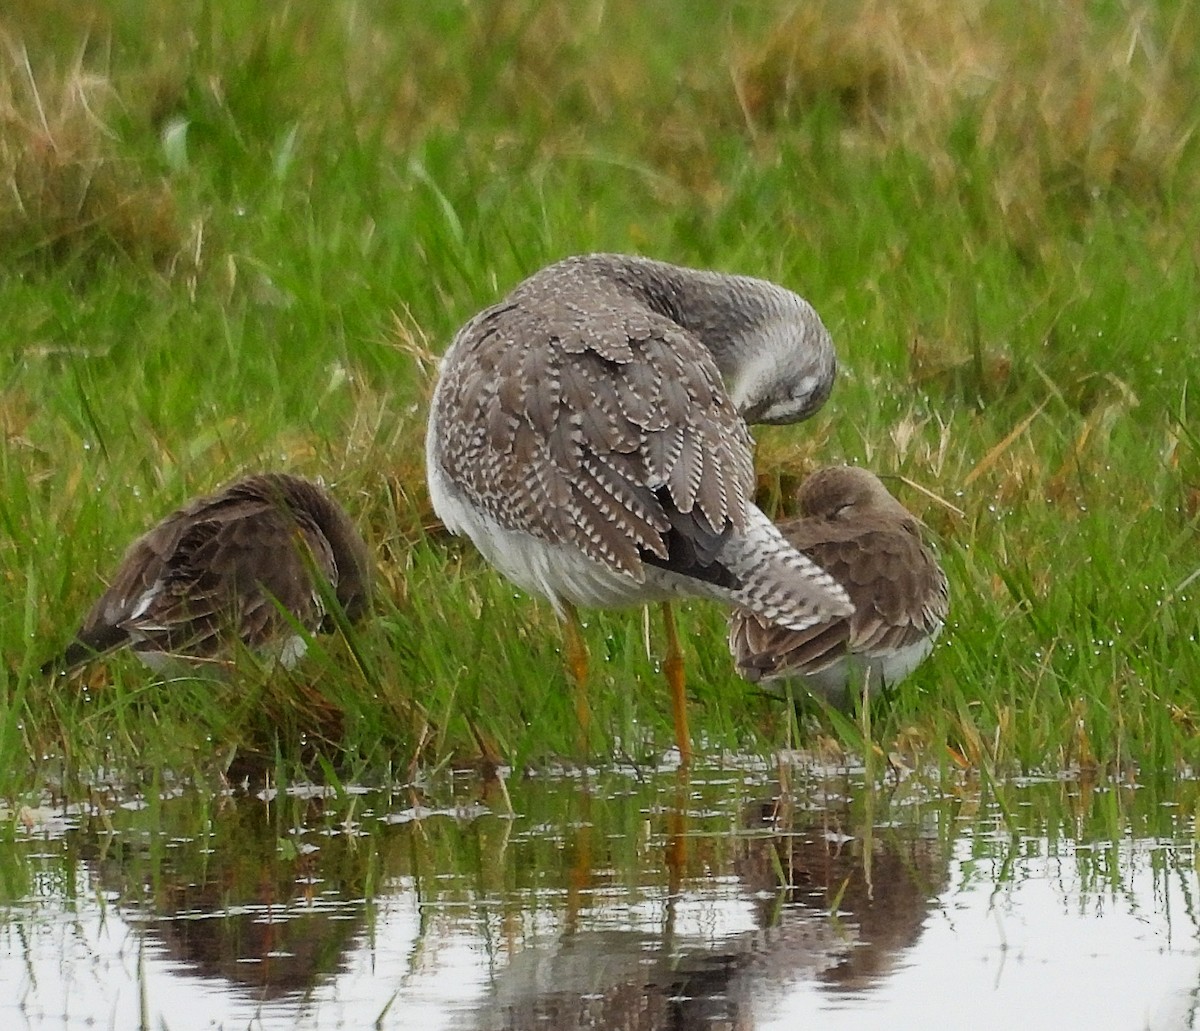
column 842, row 681
column 558, row 572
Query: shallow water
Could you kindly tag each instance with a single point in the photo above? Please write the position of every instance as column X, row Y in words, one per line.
column 619, row 899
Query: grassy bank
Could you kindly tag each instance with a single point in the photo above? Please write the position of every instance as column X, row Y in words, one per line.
column 234, row 241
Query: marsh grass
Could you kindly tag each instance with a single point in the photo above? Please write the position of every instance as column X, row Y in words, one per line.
column 235, row 244
column 72, row 198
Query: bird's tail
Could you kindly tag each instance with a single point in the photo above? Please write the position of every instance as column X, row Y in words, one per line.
column 87, row 646
column 777, row 582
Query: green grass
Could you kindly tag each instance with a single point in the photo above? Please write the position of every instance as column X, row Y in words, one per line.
column 234, row 244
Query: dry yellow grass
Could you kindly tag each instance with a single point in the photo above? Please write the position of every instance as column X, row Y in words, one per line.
column 66, row 191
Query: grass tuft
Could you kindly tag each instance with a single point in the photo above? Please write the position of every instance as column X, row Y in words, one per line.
column 71, row 199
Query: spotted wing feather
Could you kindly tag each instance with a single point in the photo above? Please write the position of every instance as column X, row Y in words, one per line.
column 898, row 590
column 570, row 451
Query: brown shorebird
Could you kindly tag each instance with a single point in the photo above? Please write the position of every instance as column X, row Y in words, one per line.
column 240, row 565
column 587, row 434
column 871, row 544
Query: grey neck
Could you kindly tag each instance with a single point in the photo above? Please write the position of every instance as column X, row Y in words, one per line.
column 769, row 344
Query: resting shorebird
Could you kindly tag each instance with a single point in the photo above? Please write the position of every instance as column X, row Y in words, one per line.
column 871, row 544
column 587, row 434
column 238, row 565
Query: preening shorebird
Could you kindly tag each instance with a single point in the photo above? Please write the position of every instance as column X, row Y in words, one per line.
column 588, row 433
column 852, row 527
column 239, row 565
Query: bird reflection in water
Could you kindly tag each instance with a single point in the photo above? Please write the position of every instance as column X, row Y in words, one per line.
column 269, row 922
column 881, row 887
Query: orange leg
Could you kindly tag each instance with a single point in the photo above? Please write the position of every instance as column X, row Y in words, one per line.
column 676, row 851
column 673, row 667
column 579, row 879
column 576, row 653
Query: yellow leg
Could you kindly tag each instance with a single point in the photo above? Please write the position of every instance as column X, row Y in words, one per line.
column 576, row 653
column 673, row 667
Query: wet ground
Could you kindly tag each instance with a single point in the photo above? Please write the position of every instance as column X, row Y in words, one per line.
column 748, row 896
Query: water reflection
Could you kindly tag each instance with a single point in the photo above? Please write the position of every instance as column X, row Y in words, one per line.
column 804, row 899
column 619, row 900
column 239, row 903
